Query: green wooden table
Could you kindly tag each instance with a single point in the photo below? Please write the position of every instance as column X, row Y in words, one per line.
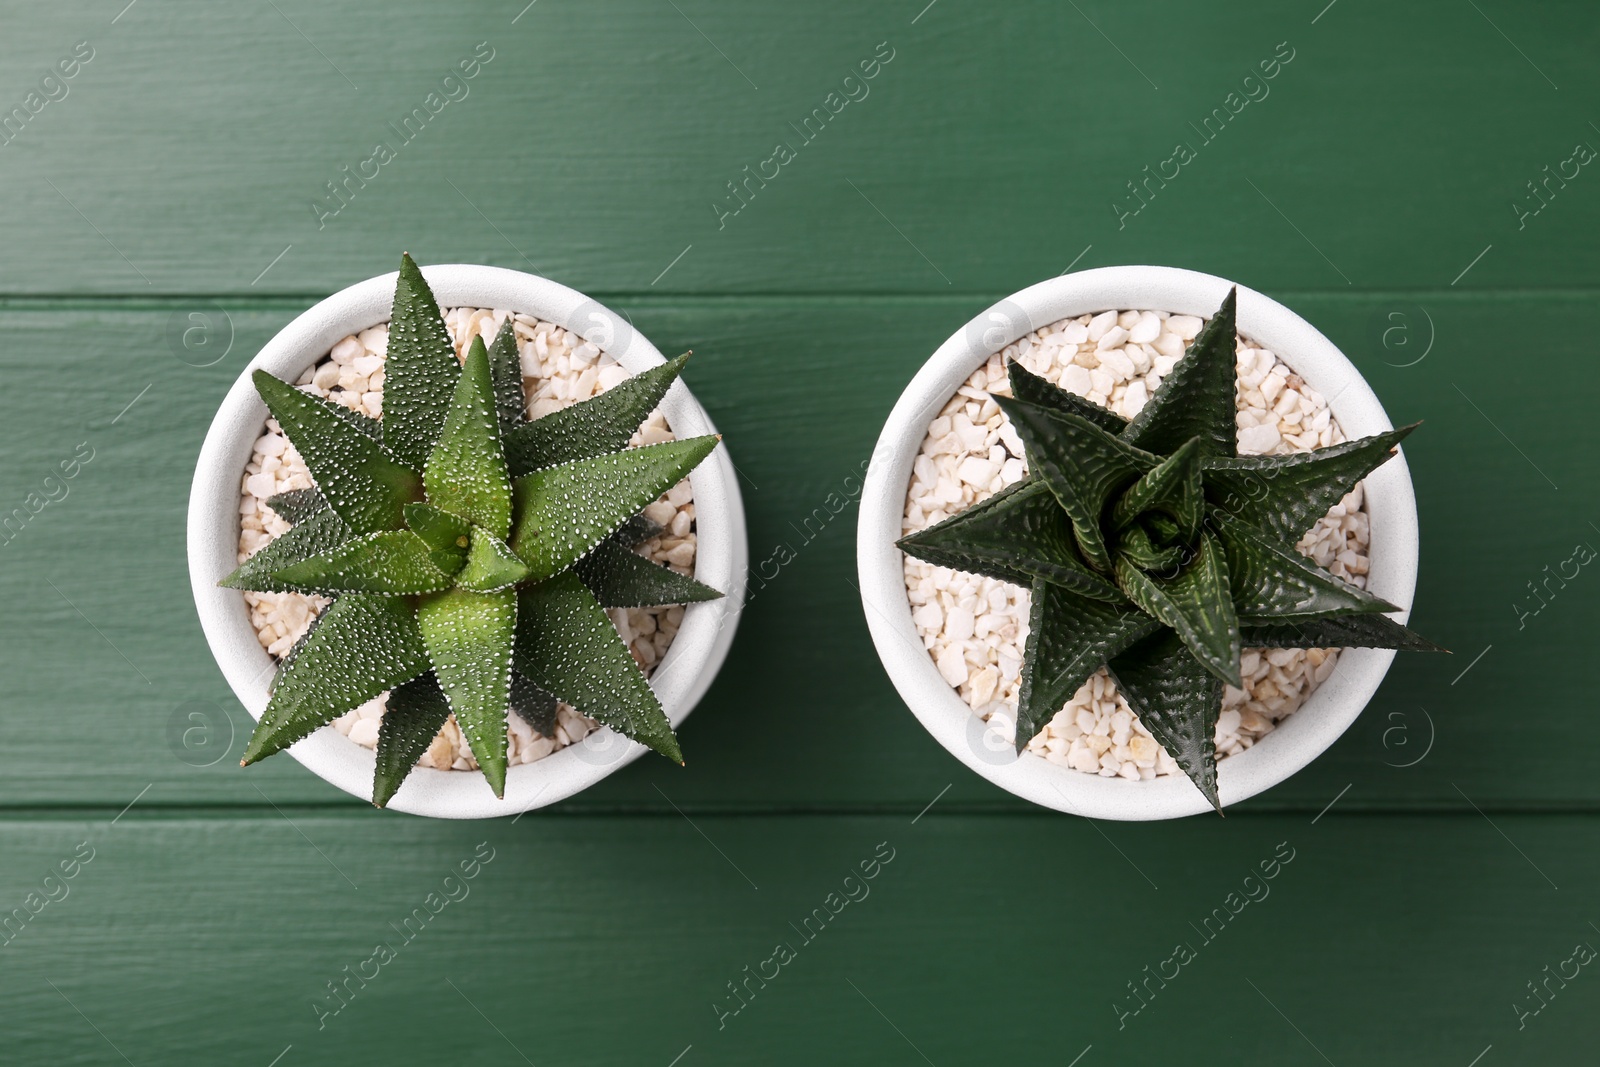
column 170, row 205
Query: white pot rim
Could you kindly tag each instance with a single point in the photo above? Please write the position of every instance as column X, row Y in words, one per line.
column 1390, row 503
column 680, row 680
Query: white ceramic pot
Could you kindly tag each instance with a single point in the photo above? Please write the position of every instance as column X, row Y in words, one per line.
column 1301, row 737
column 681, row 678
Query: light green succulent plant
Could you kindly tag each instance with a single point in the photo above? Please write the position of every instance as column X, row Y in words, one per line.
column 1153, row 549
column 470, row 555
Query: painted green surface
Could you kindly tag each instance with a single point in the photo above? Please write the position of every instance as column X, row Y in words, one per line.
column 613, row 939
column 1372, row 189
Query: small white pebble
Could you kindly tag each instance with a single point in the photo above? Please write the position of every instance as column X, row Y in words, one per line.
column 952, row 665
column 1112, row 338
column 1185, row 326
column 1258, row 440
column 1146, row 329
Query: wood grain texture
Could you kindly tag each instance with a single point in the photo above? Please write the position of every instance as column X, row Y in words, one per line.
column 802, row 715
column 988, row 153
column 1382, row 940
column 1409, row 180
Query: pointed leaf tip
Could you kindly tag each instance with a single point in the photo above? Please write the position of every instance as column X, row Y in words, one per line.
column 411, row 720
column 389, row 563
column 1198, row 399
column 1069, row 638
column 505, row 369
column 596, row 426
column 567, row 645
column 466, row 471
column 1349, row 631
column 1017, row 535
column 358, row 477
column 378, row 633
column 1178, row 700
column 322, row 532
column 1036, row 389
column 1285, row 495
column 420, row 369
column 469, row 641
column 621, row 578
column 1274, row 584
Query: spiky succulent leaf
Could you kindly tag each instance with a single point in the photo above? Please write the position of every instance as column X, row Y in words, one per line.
column 300, row 642
column 354, row 473
column 297, row 505
column 447, row 536
column 1271, row 583
column 1198, row 398
column 1026, row 385
column 1179, row 702
column 1349, row 631
column 466, row 471
column 412, row 718
column 368, row 426
column 1083, row 465
column 491, row 565
column 420, row 369
column 563, row 512
column 1017, row 535
column 361, row 646
column 594, row 427
column 637, row 530
column 505, row 369
column 1286, row 495
column 469, row 637
column 1195, row 602
column 537, row 708
column 1069, row 638
column 621, row 578
column 568, row 647
column 322, row 532
column 390, row 563
column 1172, row 488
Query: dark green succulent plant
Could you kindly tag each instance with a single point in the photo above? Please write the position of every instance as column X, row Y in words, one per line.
column 1151, row 548
column 471, row 554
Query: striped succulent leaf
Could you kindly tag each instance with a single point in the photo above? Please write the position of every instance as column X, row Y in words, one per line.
column 1153, row 549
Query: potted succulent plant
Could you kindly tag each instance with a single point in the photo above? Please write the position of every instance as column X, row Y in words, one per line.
column 465, row 555
column 1151, row 552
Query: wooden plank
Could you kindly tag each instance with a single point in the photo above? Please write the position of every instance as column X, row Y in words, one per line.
column 1382, row 182
column 102, row 654
column 996, row 146
column 1379, row 940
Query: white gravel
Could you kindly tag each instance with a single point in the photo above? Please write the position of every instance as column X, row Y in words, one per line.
column 558, row 369
column 975, row 628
